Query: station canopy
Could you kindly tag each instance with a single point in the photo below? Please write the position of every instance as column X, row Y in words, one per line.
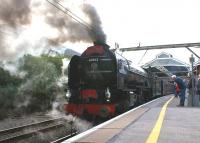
column 164, row 65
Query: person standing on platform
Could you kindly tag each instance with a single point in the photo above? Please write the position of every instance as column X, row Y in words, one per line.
column 198, row 86
column 182, row 87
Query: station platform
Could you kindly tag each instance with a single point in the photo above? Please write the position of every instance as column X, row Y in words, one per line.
column 158, row 121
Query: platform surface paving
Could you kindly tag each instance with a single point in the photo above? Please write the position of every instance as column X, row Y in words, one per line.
column 180, row 125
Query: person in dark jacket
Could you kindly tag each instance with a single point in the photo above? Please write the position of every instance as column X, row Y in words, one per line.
column 191, row 90
column 189, row 86
column 182, row 87
column 198, row 86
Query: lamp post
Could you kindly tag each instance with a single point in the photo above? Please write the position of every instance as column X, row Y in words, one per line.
column 193, row 80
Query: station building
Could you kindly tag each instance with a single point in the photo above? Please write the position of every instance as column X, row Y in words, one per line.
column 163, row 67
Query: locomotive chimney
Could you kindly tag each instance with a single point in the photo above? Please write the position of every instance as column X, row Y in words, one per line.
column 101, row 43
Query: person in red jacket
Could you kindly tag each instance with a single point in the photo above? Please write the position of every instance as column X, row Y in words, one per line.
column 177, row 88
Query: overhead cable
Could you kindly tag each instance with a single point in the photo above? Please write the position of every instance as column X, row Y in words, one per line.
column 69, row 13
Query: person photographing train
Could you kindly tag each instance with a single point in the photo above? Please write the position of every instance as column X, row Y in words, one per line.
column 182, row 87
column 177, row 89
column 198, row 86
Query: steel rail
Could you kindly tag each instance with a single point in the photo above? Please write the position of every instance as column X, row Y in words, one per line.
column 29, row 130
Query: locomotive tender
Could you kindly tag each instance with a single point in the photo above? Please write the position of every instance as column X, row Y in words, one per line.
column 102, row 83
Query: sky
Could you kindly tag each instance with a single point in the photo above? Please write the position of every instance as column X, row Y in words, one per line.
column 151, row 22
column 30, row 26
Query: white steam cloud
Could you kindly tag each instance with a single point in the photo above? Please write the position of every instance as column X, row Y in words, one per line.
column 30, row 26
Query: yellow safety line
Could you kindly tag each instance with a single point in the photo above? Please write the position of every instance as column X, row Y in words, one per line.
column 153, row 137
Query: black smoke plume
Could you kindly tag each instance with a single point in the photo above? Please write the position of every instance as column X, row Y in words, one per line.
column 96, row 32
column 15, row 12
column 73, row 31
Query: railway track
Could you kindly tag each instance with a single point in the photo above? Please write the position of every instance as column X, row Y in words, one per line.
column 22, row 132
column 65, row 137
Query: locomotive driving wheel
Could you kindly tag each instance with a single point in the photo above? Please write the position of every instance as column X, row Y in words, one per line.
column 123, row 106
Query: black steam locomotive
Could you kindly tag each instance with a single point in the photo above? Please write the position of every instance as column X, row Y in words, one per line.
column 103, row 83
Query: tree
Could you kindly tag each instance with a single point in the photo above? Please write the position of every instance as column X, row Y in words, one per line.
column 40, row 88
column 8, row 91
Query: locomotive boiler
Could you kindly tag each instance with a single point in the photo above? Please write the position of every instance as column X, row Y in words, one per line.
column 102, row 83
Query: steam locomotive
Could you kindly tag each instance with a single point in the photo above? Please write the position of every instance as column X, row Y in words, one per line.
column 102, row 83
